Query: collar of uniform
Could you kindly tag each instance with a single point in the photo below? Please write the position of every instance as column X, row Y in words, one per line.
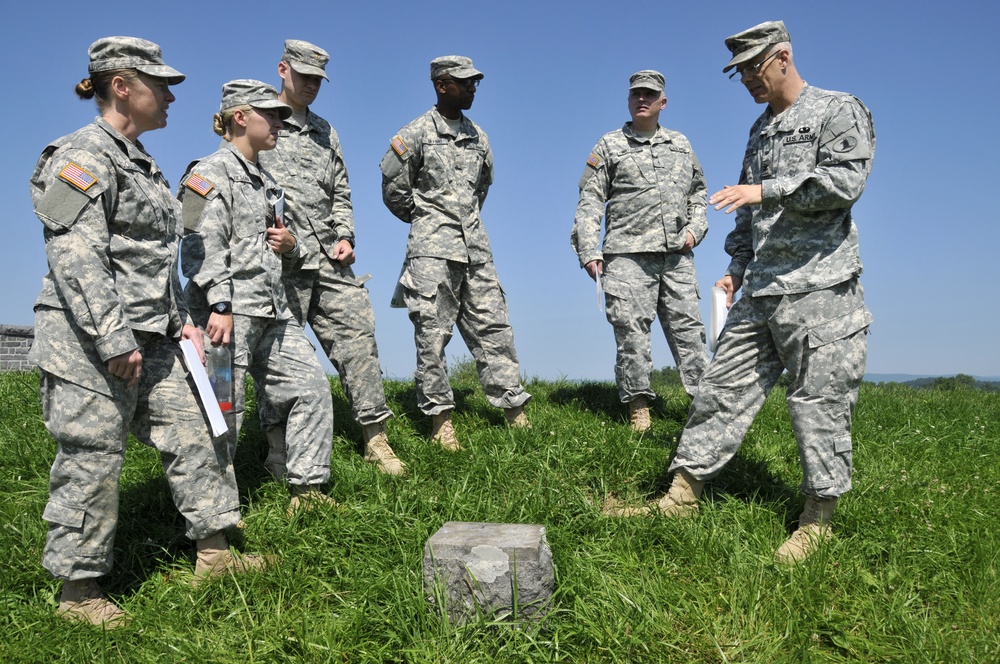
column 135, row 151
column 309, row 124
column 788, row 120
column 659, row 137
column 253, row 170
column 464, row 129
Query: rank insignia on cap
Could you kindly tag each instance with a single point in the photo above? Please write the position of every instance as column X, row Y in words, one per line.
column 199, row 185
column 77, row 176
column 593, row 160
column 398, row 145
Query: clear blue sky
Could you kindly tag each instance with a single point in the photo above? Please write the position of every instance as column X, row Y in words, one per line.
column 556, row 80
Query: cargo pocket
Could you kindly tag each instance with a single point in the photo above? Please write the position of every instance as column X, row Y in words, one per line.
column 64, row 515
column 839, row 328
column 617, row 295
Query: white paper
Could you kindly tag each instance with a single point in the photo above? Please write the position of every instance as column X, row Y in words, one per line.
column 600, row 293
column 718, row 319
column 279, row 208
column 398, row 301
column 205, row 391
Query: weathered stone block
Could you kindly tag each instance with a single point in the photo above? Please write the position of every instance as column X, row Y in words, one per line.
column 498, row 569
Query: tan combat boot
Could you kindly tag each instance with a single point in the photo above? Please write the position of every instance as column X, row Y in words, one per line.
column 216, row 559
column 277, row 453
column 377, row 449
column 638, row 413
column 307, row 497
column 443, row 433
column 516, row 417
column 813, row 530
column 83, row 601
column 680, row 500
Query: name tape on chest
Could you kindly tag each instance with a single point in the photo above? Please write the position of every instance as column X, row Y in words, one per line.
column 78, row 176
column 398, row 146
column 199, row 185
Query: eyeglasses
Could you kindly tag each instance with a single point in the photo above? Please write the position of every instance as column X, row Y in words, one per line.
column 462, row 82
column 752, row 70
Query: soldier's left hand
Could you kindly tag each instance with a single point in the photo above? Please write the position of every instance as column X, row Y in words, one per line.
column 688, row 243
column 197, row 337
column 343, row 253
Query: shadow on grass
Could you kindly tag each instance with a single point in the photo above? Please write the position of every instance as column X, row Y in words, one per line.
column 671, row 403
column 468, row 402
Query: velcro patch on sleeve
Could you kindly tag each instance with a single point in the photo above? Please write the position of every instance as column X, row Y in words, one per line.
column 398, row 145
column 78, row 176
column 199, row 185
column 593, row 160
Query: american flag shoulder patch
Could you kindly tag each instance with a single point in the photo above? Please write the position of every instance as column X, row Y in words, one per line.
column 199, row 185
column 593, row 160
column 78, row 176
column 398, row 145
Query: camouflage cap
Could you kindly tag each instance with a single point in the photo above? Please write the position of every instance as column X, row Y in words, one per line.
column 748, row 44
column 305, row 58
column 110, row 53
column 647, row 78
column 456, row 66
column 256, row 94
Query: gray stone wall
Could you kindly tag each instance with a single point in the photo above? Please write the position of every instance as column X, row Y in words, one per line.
column 15, row 342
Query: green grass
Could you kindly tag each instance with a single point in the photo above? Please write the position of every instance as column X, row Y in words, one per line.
column 911, row 576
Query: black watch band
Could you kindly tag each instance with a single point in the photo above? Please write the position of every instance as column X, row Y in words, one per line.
column 222, row 308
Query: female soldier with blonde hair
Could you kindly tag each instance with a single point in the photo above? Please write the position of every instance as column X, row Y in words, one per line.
column 233, row 249
column 107, row 324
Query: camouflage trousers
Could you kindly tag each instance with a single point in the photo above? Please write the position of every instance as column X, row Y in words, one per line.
column 335, row 303
column 440, row 294
column 820, row 339
column 293, row 390
column 643, row 286
column 91, row 429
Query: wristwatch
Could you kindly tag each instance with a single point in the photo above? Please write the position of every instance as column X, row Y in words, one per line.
column 222, row 308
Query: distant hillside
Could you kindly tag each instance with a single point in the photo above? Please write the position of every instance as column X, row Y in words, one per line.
column 958, row 381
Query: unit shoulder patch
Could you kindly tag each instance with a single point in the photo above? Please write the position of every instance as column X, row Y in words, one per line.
column 593, row 160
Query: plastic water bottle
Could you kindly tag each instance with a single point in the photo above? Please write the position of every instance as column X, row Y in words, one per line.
column 220, row 375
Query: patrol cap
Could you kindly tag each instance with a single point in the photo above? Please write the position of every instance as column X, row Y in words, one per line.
column 256, row 94
column 305, row 58
column 647, row 78
column 456, row 66
column 110, row 53
column 750, row 43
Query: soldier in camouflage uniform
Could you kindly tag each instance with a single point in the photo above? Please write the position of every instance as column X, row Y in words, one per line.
column 322, row 289
column 107, row 324
column 435, row 177
column 233, row 249
column 795, row 252
column 648, row 184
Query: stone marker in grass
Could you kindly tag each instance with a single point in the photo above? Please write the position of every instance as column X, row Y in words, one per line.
column 500, row 570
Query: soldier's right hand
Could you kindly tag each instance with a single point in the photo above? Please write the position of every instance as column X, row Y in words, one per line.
column 127, row 366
